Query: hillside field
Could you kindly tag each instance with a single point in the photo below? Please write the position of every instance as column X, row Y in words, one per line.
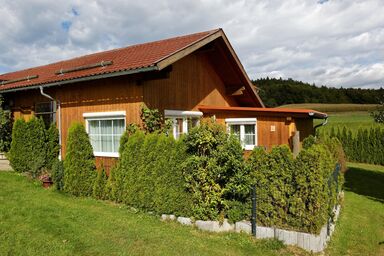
column 352, row 116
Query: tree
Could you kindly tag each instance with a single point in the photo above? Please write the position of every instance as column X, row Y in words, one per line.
column 378, row 115
column 79, row 164
column 5, row 128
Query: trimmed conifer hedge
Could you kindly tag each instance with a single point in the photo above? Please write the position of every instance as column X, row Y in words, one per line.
column 148, row 175
column 33, row 148
column 365, row 146
column 79, row 164
column 295, row 193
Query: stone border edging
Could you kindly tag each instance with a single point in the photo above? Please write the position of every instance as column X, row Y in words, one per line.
column 306, row 241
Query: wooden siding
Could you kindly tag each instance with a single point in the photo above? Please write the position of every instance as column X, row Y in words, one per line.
column 272, row 131
column 192, row 82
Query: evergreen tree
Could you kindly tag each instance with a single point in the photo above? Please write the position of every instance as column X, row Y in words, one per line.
column 79, row 164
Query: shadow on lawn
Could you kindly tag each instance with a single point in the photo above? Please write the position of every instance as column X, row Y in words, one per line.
column 365, row 182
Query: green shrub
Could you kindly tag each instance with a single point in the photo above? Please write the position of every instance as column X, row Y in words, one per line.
column 237, row 210
column 272, row 174
column 99, row 185
column 201, row 174
column 152, row 119
column 35, row 138
column 147, row 175
column 28, row 151
column 79, row 163
column 311, row 203
column 365, row 146
column 19, row 149
column 5, row 128
column 58, row 174
column 53, row 147
column 203, row 140
column 110, row 188
column 215, row 171
column 309, row 141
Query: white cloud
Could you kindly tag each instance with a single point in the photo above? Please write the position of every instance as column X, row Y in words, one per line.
column 336, row 43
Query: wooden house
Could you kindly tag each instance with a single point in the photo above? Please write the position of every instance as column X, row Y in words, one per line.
column 186, row 78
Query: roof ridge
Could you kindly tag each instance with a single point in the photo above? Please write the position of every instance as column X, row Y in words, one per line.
column 114, row 50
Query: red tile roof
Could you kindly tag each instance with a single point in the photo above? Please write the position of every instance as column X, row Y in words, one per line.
column 124, row 59
column 277, row 111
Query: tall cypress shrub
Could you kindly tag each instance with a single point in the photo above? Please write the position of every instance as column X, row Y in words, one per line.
column 5, row 128
column 18, row 152
column 53, row 147
column 79, row 164
column 35, row 139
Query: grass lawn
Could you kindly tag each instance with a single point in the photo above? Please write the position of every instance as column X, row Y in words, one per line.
column 360, row 230
column 34, row 221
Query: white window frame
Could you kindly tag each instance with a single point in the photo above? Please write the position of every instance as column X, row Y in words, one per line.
column 242, row 122
column 95, row 116
column 173, row 114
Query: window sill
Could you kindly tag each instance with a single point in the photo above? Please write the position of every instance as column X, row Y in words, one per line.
column 106, row 154
column 249, row 147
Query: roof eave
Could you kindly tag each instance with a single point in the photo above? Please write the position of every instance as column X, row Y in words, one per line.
column 82, row 79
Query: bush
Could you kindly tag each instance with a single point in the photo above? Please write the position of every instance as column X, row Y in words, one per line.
column 110, row 188
column 152, row 119
column 365, row 146
column 35, row 138
column 53, row 147
column 18, row 154
column 272, row 174
column 312, row 201
column 99, row 185
column 5, row 128
column 378, row 114
column 215, row 172
column 295, row 193
column 58, row 174
column 79, row 163
column 28, row 151
column 147, row 175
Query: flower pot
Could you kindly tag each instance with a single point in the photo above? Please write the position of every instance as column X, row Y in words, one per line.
column 47, row 184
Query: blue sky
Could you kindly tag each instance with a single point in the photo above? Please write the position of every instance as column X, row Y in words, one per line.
column 333, row 43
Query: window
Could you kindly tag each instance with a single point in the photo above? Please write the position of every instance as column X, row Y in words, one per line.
column 245, row 130
column 105, row 130
column 183, row 121
column 47, row 111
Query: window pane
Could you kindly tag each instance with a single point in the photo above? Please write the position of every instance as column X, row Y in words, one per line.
column 179, row 127
column 106, row 143
column 249, row 136
column 95, row 141
column 93, row 127
column 235, row 130
column 106, row 127
column 118, row 127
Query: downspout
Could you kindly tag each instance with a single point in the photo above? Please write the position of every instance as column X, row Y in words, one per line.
column 322, row 124
column 58, row 111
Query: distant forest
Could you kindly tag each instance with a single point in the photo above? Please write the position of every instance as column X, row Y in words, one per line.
column 276, row 92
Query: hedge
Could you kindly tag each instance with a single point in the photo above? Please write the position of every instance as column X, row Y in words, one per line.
column 33, row 148
column 79, row 164
column 295, row 193
column 148, row 176
column 365, row 146
column 5, row 128
column 58, row 174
